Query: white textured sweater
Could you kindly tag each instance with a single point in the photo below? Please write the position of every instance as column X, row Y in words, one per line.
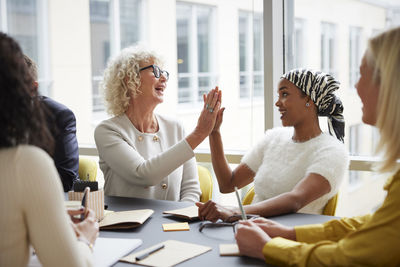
column 33, row 212
column 147, row 165
column 280, row 163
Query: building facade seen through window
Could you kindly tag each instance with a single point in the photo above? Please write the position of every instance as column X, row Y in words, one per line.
column 196, row 51
column 114, row 25
column 251, row 63
column 26, row 21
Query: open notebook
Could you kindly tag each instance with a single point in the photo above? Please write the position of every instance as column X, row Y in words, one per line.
column 125, row 219
column 190, row 213
column 106, row 251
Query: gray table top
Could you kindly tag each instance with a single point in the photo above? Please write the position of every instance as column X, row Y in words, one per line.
column 151, row 231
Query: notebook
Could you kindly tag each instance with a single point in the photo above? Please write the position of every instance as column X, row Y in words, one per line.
column 190, row 213
column 125, row 219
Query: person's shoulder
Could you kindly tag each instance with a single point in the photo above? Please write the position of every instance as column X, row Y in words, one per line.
column 115, row 124
column 54, row 105
column 331, row 145
column 330, row 140
column 32, row 154
column 168, row 120
column 115, row 121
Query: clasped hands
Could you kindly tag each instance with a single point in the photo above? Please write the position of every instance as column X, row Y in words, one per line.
column 251, row 235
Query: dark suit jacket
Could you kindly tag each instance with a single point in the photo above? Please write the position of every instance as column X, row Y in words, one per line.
column 62, row 124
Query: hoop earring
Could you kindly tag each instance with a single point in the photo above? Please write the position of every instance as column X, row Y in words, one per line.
column 307, row 104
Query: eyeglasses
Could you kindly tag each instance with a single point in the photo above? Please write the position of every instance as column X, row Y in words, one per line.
column 157, row 71
column 217, row 224
column 228, row 222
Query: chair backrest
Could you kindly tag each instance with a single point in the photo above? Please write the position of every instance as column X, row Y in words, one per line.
column 330, row 207
column 87, row 169
column 206, row 183
column 248, row 198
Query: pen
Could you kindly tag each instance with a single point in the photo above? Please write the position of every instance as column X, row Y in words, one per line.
column 147, row 253
column 240, row 204
column 85, row 202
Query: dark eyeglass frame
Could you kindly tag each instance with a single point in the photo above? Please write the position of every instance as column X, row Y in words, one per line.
column 235, row 217
column 157, row 71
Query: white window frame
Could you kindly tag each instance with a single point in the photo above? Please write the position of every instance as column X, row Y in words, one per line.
column 194, row 73
column 328, row 32
column 355, row 35
column 115, row 44
column 249, row 73
column 45, row 78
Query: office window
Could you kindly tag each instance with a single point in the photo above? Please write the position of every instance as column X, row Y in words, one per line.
column 251, row 63
column 196, row 51
column 328, row 48
column 354, row 149
column 114, row 25
column 355, row 54
column 296, row 52
column 26, row 22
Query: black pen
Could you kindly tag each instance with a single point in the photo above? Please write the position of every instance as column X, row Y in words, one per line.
column 146, row 254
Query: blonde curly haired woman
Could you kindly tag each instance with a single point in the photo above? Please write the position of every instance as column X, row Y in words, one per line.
column 144, row 154
column 370, row 240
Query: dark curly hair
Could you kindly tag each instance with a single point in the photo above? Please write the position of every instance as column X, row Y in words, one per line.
column 22, row 118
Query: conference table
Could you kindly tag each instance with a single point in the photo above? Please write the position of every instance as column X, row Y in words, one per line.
column 151, row 231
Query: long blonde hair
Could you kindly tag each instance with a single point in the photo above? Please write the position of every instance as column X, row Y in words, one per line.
column 383, row 55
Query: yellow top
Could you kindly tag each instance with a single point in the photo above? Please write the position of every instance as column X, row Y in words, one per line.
column 372, row 240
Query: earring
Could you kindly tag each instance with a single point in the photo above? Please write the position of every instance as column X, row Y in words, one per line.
column 307, row 104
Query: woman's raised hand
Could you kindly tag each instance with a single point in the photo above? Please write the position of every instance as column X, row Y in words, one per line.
column 211, row 109
column 207, row 118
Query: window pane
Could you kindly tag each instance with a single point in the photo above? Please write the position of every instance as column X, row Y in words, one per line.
column 203, row 38
column 23, row 24
column 251, row 54
column 100, row 46
column 129, row 19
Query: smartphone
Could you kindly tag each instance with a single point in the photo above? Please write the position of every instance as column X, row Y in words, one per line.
column 85, row 201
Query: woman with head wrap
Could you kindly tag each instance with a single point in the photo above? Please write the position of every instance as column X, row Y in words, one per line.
column 294, row 168
column 369, row 240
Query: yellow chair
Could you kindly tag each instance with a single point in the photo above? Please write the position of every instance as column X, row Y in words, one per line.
column 87, row 169
column 206, row 183
column 329, row 209
column 248, row 198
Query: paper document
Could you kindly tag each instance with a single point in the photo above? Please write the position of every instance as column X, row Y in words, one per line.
column 174, row 252
column 167, row 227
column 229, row 250
column 106, row 251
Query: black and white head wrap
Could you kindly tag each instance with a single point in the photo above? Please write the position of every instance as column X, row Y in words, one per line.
column 319, row 86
